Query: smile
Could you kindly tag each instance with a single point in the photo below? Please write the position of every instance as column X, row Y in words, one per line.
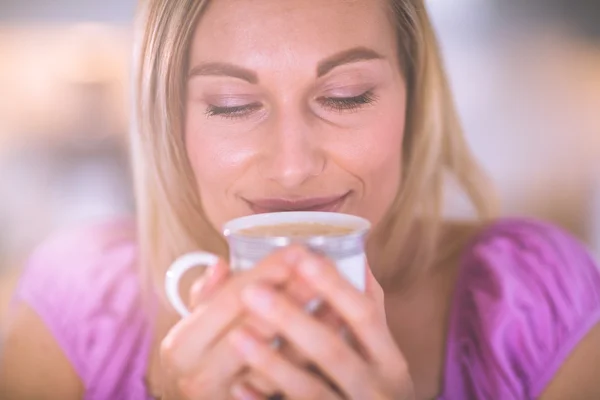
column 268, row 205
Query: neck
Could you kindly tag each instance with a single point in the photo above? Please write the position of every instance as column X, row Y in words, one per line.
column 403, row 269
column 418, row 314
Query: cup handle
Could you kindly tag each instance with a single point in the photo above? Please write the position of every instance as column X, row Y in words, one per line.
column 179, row 267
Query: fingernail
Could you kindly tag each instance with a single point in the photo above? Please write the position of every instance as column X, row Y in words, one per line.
column 243, row 342
column 316, row 251
column 293, row 254
column 241, row 392
column 258, row 298
column 310, row 267
column 197, row 287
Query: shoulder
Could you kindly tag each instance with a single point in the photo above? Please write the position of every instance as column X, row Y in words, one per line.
column 84, row 285
column 532, row 258
column 526, row 295
column 525, row 251
column 95, row 239
column 32, row 364
column 79, row 263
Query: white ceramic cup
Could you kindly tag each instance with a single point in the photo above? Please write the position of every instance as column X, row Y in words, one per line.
column 346, row 250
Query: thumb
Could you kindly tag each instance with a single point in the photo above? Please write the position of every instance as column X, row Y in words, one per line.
column 374, row 291
column 204, row 287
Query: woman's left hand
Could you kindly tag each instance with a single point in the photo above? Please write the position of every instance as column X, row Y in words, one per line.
column 378, row 371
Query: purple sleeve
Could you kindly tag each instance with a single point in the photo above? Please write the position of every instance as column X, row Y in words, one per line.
column 83, row 287
column 527, row 294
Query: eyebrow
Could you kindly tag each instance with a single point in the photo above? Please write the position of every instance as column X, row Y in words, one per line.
column 355, row 54
column 349, row 56
column 223, row 69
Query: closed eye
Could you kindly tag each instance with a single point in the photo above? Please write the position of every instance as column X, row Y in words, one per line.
column 341, row 104
column 232, row 112
column 337, row 104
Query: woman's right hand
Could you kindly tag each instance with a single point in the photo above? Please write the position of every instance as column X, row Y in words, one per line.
column 196, row 356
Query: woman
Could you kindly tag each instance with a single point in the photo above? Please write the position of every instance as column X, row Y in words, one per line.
column 270, row 105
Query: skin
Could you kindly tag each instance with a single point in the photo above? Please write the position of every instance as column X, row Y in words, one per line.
column 292, row 138
column 293, row 145
column 198, row 373
column 282, row 140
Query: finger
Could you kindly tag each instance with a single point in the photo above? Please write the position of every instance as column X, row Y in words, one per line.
column 323, row 346
column 206, row 378
column 206, row 285
column 366, row 318
column 292, row 381
column 299, row 290
column 190, row 338
column 304, row 297
column 257, row 382
column 231, row 369
column 244, row 391
column 374, row 290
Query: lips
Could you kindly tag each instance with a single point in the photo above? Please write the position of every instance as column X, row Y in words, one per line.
column 330, row 204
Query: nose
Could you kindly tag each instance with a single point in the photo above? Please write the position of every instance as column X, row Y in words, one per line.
column 292, row 154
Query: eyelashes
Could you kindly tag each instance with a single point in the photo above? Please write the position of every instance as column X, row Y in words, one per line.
column 232, row 112
column 335, row 104
column 341, row 104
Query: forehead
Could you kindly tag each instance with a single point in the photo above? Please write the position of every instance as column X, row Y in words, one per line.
column 258, row 33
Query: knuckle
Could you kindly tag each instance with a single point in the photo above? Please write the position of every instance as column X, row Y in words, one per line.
column 334, row 352
column 168, row 351
column 367, row 314
column 281, row 310
column 377, row 395
column 263, row 331
column 185, row 388
column 265, row 358
column 258, row 381
column 273, row 267
column 201, row 385
column 172, row 351
column 231, row 301
column 314, row 390
column 227, row 300
column 403, row 379
column 197, row 293
column 192, row 388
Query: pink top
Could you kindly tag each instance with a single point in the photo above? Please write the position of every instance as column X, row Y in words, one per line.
column 526, row 295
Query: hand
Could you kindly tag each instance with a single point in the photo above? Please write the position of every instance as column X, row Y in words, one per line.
column 382, row 372
column 199, row 361
column 251, row 384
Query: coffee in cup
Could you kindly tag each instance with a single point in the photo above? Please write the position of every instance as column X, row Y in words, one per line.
column 297, row 230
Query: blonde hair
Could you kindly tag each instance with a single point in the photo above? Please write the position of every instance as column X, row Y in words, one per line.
column 170, row 217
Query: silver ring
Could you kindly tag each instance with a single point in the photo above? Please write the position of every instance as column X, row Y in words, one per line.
column 276, row 343
column 313, row 306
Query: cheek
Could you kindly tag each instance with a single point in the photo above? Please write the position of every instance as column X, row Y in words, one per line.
column 213, row 160
column 383, row 142
column 376, row 160
column 218, row 161
column 387, row 137
column 384, row 165
column 217, row 152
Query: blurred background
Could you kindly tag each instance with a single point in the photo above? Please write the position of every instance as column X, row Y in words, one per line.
column 526, row 77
